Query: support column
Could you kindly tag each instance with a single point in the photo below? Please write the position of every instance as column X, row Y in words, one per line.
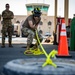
column 0, row 16
column 55, row 15
column 66, row 6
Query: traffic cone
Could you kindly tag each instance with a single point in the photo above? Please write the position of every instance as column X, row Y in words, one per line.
column 63, row 44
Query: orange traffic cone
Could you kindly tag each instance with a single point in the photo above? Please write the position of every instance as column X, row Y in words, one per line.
column 63, row 44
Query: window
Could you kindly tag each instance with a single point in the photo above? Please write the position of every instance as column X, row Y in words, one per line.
column 40, row 31
column 35, row 6
column 49, row 23
column 45, row 8
column 29, row 8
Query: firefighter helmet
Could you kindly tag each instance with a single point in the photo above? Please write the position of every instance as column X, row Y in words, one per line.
column 36, row 12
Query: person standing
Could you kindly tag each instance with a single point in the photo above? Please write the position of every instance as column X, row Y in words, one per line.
column 7, row 16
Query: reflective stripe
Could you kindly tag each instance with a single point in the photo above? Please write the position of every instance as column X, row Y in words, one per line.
column 63, row 33
column 63, row 26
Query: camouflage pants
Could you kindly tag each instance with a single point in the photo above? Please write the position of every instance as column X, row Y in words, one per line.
column 7, row 30
column 31, row 35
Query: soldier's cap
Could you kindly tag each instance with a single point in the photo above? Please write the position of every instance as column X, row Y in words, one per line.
column 7, row 5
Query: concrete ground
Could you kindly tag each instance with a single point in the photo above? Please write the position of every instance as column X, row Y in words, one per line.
column 17, row 52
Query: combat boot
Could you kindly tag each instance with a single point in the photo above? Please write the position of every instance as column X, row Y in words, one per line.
column 3, row 46
column 10, row 46
column 28, row 51
column 35, row 46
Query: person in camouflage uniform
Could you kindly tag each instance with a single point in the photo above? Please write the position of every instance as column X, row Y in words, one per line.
column 7, row 15
column 30, row 26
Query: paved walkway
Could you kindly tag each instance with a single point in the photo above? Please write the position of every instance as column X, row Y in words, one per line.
column 21, row 40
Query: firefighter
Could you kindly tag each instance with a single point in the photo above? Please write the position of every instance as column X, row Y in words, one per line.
column 30, row 26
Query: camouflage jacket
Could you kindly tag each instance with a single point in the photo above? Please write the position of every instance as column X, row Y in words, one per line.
column 7, row 16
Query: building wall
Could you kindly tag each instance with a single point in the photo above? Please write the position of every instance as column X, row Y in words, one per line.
column 44, row 18
column 19, row 18
column 45, row 27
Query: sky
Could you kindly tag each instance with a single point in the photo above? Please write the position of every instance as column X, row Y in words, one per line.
column 18, row 6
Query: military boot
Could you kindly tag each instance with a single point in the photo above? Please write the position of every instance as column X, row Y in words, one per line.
column 3, row 43
column 3, row 46
column 10, row 45
column 10, row 42
column 28, row 51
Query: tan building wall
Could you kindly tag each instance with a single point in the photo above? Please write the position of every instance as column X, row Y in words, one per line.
column 19, row 18
column 45, row 27
column 44, row 18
